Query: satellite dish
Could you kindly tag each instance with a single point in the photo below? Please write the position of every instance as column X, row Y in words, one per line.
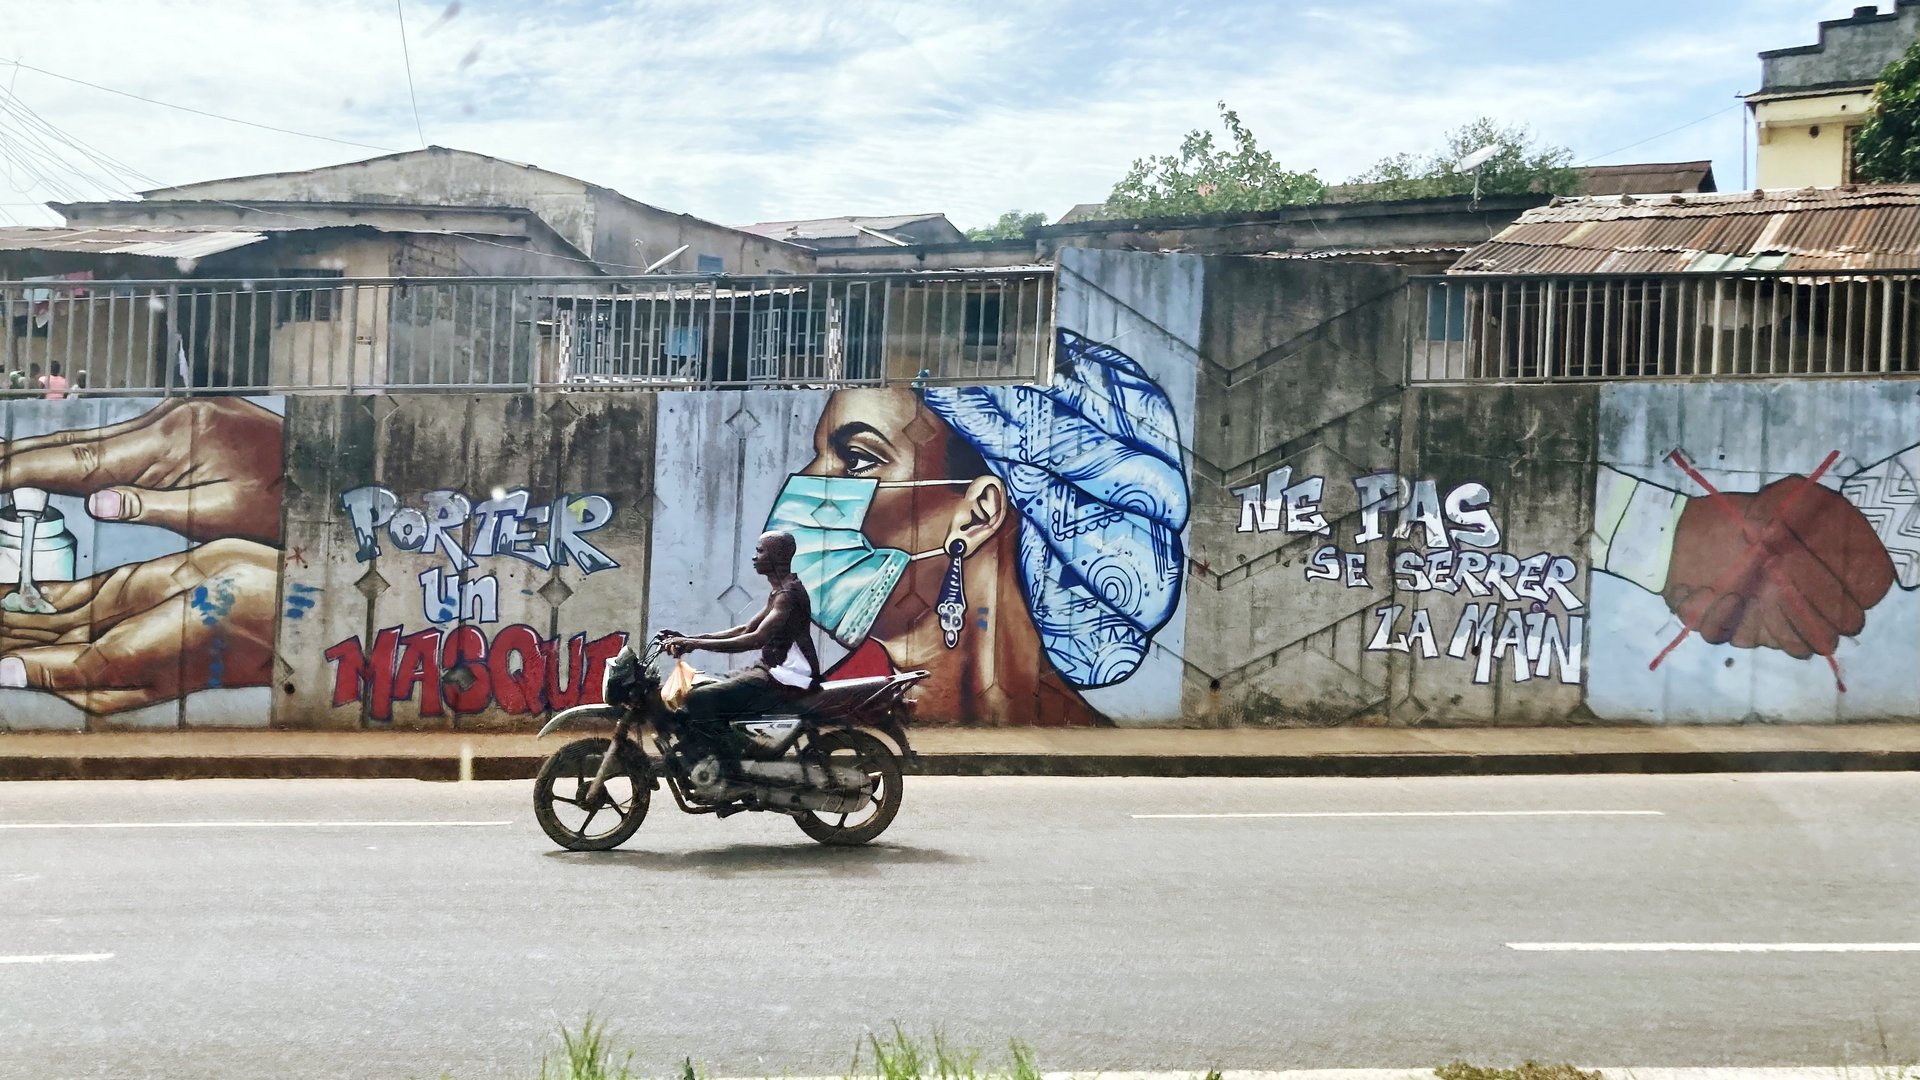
column 1477, row 158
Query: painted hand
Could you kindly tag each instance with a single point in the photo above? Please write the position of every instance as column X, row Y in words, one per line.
column 1793, row 566
column 150, row 632
column 203, row 467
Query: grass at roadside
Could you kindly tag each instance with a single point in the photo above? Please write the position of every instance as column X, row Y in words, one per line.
column 592, row 1053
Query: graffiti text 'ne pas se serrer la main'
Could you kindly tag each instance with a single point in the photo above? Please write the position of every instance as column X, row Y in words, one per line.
column 1458, row 537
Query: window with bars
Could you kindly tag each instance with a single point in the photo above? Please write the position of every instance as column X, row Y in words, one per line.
column 297, row 304
column 982, row 327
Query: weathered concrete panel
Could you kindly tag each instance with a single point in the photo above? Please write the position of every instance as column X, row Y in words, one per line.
column 461, row 561
column 1817, row 580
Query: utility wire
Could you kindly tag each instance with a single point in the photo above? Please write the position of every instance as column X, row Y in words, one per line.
column 399, row 9
column 198, row 112
column 40, row 129
column 1669, row 131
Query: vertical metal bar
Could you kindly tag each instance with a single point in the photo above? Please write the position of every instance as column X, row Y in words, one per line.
column 513, row 292
column 66, row 368
column 105, row 377
column 1773, row 325
column 353, row 334
column 1854, row 355
column 1792, row 304
column 173, row 330
column 1716, row 343
column 1548, row 327
column 86, row 354
column 789, row 337
column 1906, row 324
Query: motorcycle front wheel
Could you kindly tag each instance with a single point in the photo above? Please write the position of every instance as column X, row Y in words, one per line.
column 561, row 806
column 873, row 757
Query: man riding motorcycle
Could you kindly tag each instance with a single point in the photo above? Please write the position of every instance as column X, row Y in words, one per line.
column 789, row 668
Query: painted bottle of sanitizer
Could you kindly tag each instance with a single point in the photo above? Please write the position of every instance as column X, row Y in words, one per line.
column 30, row 525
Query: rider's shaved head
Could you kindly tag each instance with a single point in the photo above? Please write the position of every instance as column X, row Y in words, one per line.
column 774, row 553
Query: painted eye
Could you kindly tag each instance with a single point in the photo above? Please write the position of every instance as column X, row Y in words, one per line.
column 857, row 461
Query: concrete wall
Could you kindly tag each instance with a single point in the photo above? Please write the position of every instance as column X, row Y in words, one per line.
column 1226, row 507
column 1854, row 49
column 629, row 236
column 459, row 560
column 1804, row 141
column 435, row 176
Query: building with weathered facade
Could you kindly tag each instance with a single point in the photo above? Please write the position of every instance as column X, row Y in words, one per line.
column 618, row 234
column 209, row 295
column 1813, row 98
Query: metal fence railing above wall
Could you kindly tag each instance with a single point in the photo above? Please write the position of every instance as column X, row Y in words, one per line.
column 1490, row 328
column 283, row 335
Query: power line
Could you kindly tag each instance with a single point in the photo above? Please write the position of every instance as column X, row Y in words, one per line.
column 1669, row 131
column 405, row 54
column 198, row 112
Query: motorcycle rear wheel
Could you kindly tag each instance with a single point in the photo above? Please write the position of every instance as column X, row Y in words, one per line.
column 873, row 757
column 564, row 779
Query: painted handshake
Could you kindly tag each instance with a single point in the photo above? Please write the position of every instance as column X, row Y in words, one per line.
column 1793, row 566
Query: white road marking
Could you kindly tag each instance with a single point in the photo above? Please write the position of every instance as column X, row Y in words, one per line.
column 1414, row 814
column 248, row 824
column 57, row 958
column 1716, row 946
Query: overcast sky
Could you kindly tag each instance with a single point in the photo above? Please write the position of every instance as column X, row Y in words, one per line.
column 754, row 110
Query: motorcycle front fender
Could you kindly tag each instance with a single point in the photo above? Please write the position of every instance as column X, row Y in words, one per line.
column 580, row 714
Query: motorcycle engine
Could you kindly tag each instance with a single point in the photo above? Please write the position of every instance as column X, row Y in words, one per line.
column 708, row 778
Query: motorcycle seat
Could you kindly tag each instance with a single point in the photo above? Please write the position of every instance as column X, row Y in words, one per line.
column 842, row 696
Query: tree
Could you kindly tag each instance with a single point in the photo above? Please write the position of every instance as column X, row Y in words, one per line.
column 1203, row 178
column 1520, row 165
column 1012, row 225
column 1887, row 149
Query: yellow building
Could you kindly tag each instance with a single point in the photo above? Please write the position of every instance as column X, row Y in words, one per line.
column 1813, row 98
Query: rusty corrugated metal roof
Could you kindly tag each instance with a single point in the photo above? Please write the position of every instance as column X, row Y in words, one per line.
column 1852, row 228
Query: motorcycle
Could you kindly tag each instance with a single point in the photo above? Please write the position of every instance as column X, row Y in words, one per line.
column 820, row 761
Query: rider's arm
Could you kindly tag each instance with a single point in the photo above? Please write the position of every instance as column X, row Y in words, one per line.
column 757, row 632
column 720, row 635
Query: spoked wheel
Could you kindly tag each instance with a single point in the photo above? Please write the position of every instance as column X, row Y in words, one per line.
column 565, row 814
column 861, row 751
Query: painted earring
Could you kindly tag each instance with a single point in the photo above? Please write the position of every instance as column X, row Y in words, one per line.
column 952, row 607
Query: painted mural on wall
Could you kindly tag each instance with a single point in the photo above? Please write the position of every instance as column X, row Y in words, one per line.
column 1522, row 615
column 1023, row 544
column 461, row 660
column 139, row 561
column 1757, row 552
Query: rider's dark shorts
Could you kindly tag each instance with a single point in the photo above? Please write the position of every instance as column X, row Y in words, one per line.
column 743, row 693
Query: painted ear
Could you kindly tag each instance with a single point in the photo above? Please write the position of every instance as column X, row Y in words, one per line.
column 982, row 512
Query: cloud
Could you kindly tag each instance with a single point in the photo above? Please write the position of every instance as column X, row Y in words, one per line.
column 757, row 109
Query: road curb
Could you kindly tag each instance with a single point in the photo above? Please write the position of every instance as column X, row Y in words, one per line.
column 418, row 767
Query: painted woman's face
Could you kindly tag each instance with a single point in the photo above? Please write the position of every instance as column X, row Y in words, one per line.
column 890, row 437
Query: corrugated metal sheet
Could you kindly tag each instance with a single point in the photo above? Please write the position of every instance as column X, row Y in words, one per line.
column 827, row 228
column 1361, row 252
column 158, row 243
column 1863, row 228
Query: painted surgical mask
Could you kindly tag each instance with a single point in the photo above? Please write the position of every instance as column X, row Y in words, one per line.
column 847, row 577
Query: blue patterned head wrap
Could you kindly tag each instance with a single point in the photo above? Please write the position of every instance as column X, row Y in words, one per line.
column 1093, row 464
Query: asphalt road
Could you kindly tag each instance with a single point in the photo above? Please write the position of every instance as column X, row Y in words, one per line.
column 1042, row 909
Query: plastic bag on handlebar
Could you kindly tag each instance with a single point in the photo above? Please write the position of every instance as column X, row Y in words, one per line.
column 673, row 692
